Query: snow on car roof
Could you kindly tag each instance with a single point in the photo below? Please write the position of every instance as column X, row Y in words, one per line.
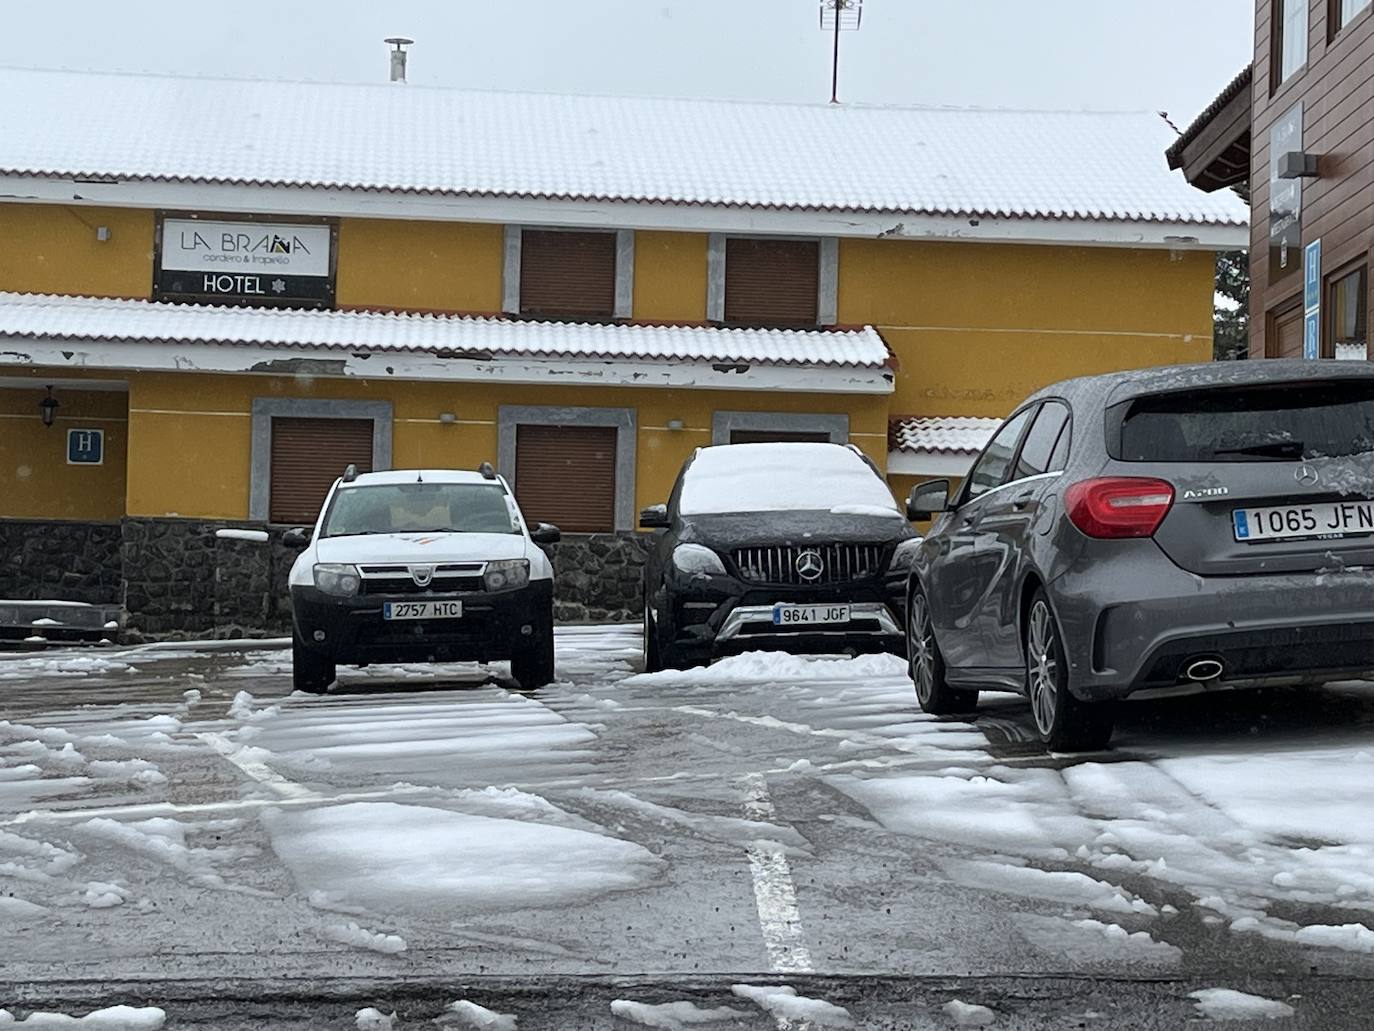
column 780, row 477
column 427, row 475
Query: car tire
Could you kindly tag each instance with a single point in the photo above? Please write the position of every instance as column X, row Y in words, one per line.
column 310, row 672
column 653, row 662
column 1065, row 723
column 926, row 665
column 533, row 665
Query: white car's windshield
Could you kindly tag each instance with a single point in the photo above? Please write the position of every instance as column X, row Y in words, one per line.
column 420, row 507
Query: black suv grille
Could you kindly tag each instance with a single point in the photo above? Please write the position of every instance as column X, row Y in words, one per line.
column 396, row 579
column 795, row 564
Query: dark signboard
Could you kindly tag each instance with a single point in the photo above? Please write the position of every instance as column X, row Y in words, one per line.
column 258, row 263
column 1285, row 198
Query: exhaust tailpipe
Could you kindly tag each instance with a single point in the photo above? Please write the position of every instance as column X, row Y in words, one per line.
column 1203, row 670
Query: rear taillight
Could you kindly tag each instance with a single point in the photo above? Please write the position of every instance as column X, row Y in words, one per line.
column 1115, row 507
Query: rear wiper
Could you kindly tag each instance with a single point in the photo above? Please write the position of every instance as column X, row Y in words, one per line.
column 1274, row 449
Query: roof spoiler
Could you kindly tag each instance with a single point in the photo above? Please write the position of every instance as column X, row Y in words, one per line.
column 350, row 473
column 488, row 473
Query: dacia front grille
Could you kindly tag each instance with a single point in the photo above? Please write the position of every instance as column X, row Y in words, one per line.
column 809, row 565
column 447, row 578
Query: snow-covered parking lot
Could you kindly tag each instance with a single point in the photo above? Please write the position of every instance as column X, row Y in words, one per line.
column 768, row 842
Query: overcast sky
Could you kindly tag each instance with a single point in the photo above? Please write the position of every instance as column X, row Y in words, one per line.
column 1170, row 55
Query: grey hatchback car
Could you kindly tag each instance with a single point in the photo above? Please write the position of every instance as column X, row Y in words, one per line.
column 1208, row 524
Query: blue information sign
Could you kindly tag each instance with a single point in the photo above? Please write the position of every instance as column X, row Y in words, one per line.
column 85, row 447
column 1312, row 334
column 1312, row 276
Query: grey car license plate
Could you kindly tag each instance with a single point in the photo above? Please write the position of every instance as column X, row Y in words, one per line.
column 1294, row 522
column 400, row 610
column 785, row 614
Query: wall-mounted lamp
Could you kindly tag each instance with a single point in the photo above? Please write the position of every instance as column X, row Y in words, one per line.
column 49, row 406
column 675, row 424
column 448, row 418
column 102, row 233
column 1298, row 164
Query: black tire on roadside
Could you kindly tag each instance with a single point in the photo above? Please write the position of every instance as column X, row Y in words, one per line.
column 653, row 662
column 310, row 672
column 926, row 664
column 1065, row 723
column 533, row 665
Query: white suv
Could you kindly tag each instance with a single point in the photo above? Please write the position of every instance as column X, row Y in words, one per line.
column 421, row 565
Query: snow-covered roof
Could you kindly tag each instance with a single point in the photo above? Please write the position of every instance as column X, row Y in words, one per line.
column 945, row 433
column 54, row 317
column 411, row 139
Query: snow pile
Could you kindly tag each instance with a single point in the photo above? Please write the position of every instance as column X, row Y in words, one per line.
column 371, row 1019
column 783, row 1002
column 165, row 839
column 469, row 1014
column 1227, row 1004
column 774, row 667
column 351, row 934
column 387, row 856
column 16, row 910
column 1056, row 885
column 781, row 477
column 253, row 536
column 672, row 1015
column 241, row 708
column 968, row 1015
column 114, row 1018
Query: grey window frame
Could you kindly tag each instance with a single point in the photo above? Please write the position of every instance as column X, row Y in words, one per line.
column 265, row 409
column 827, row 291
column 509, row 418
column 724, row 424
column 624, row 266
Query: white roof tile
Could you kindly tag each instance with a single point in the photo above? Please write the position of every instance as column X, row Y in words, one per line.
column 87, row 318
column 949, row 433
column 1062, row 165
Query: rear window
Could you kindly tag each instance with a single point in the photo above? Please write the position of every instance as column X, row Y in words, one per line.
column 1282, row 422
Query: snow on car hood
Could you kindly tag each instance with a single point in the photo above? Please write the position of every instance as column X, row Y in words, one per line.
column 428, row 548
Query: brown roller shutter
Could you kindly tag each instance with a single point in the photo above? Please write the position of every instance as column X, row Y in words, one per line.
column 772, row 282
column 567, row 273
column 565, row 475
column 308, row 455
column 778, row 436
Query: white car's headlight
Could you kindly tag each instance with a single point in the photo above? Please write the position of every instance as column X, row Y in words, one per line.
column 507, row 574
column 337, row 578
column 905, row 554
column 694, row 558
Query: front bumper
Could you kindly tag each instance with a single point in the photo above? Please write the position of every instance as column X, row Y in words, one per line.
column 1139, row 624
column 720, row 615
column 494, row 626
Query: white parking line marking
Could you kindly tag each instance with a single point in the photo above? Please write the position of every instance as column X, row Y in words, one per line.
column 256, row 768
column 774, row 893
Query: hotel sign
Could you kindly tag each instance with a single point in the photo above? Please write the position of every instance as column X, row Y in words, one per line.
column 266, row 263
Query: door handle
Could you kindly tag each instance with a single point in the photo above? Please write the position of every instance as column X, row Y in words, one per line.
column 1022, row 500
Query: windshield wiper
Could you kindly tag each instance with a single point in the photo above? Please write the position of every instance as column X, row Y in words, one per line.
column 1274, row 449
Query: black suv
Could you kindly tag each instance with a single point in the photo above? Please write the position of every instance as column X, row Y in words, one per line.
column 786, row 546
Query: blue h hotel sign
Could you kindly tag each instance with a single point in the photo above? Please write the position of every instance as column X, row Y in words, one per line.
column 1312, row 299
column 85, row 447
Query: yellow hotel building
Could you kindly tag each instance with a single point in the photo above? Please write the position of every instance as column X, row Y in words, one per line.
column 216, row 294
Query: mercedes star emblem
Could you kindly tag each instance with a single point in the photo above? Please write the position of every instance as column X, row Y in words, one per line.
column 1306, row 475
column 422, row 575
column 809, row 565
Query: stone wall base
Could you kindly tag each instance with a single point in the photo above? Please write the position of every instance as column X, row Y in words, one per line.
column 176, row 578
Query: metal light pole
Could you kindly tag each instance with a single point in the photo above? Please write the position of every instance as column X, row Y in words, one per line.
column 840, row 16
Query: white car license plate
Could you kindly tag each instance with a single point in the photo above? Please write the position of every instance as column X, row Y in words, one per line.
column 806, row 615
column 397, row 610
column 1294, row 522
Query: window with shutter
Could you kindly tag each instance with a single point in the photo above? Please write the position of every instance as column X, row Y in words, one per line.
column 779, row 436
column 308, row 455
column 772, row 282
column 567, row 274
column 565, row 475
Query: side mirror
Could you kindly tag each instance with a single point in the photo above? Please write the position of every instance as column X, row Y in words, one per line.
column 655, row 517
column 545, row 533
column 927, row 499
column 297, row 537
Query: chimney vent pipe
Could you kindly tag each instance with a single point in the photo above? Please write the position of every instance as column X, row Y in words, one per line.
column 398, row 57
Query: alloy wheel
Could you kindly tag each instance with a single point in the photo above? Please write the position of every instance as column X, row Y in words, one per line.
column 1042, row 666
column 922, row 637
